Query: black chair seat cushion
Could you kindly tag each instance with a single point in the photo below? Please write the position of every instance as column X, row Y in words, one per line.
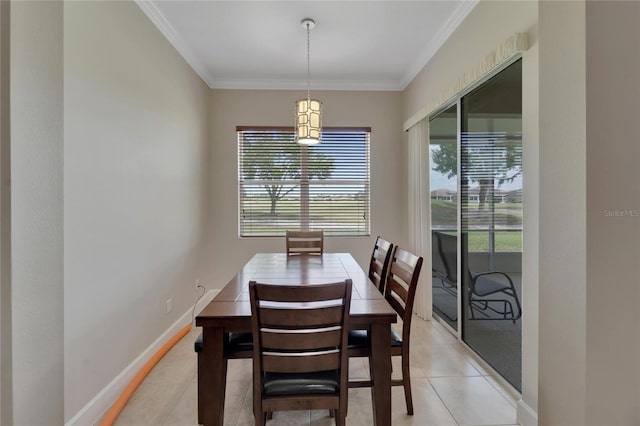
column 197, row 345
column 485, row 285
column 235, row 342
column 322, row 382
column 360, row 339
column 239, row 342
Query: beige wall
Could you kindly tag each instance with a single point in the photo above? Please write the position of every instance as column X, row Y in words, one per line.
column 36, row 282
column 562, row 212
column 490, row 23
column 613, row 188
column 590, row 191
column 5, row 223
column 231, row 108
column 135, row 122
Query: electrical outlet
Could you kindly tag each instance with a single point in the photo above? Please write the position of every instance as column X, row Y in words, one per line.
column 169, row 305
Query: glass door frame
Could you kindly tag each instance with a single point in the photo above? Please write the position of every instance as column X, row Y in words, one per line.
column 457, row 101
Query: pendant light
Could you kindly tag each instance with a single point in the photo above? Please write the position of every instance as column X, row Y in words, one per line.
column 308, row 111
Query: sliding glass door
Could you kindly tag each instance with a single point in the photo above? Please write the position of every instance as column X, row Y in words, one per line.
column 443, row 182
column 476, row 219
column 491, row 221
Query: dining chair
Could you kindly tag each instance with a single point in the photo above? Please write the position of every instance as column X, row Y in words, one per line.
column 400, row 291
column 305, row 242
column 299, row 355
column 379, row 262
column 236, row 346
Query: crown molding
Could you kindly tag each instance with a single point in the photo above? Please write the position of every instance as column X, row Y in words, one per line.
column 436, row 43
column 152, row 12
column 364, row 85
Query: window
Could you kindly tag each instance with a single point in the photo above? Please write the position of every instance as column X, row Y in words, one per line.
column 283, row 185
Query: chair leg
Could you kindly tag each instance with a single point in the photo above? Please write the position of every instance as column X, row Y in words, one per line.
column 200, row 394
column 259, row 416
column 406, row 382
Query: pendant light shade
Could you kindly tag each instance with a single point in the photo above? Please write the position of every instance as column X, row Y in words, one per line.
column 308, row 121
column 308, row 111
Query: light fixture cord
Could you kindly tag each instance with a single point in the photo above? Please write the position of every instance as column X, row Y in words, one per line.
column 308, row 66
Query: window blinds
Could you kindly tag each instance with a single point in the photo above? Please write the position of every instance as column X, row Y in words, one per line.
column 283, row 185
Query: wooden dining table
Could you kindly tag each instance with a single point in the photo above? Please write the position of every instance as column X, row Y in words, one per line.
column 230, row 312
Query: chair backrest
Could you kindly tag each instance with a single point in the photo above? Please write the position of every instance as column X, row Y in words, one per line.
column 400, row 291
column 438, row 268
column 305, row 242
column 300, row 328
column 379, row 264
column 448, row 251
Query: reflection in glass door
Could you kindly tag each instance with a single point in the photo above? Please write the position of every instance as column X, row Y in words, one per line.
column 491, row 221
column 443, row 182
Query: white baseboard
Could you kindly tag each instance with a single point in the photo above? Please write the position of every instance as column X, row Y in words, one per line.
column 92, row 413
column 526, row 416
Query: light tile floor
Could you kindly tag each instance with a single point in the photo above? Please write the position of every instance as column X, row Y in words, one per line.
column 449, row 388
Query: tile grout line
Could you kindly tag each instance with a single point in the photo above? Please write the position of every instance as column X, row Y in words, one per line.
column 168, row 413
column 442, row 401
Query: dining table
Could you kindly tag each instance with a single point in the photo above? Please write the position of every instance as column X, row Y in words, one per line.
column 230, row 312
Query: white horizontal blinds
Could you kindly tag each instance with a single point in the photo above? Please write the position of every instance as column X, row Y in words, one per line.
column 272, row 170
column 339, row 183
column 491, row 165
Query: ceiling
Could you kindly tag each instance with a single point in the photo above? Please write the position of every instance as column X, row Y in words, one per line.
column 356, row 45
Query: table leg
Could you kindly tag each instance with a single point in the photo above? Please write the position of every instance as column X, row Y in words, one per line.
column 381, row 370
column 213, row 377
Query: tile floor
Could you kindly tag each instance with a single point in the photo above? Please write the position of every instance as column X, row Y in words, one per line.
column 449, row 388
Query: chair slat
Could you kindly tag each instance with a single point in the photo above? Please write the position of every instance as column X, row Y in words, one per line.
column 400, row 308
column 301, row 364
column 301, row 317
column 301, row 341
column 394, row 287
column 376, row 268
column 304, row 242
column 402, row 273
column 407, row 258
column 379, row 264
column 300, row 293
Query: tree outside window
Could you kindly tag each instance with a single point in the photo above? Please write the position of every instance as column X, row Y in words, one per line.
column 283, row 185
